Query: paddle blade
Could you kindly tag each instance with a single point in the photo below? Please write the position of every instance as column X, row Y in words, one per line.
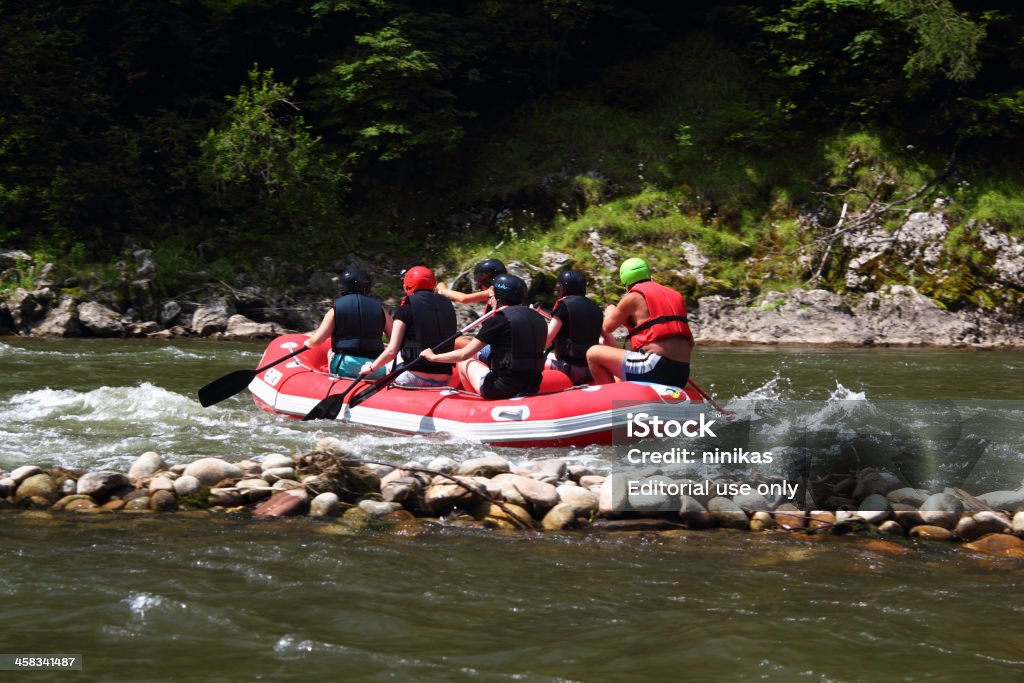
column 327, row 409
column 225, row 387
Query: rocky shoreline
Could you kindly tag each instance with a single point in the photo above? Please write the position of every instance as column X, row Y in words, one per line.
column 891, row 315
column 490, row 493
column 898, row 315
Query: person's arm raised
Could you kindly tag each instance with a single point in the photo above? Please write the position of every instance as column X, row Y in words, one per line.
column 463, row 297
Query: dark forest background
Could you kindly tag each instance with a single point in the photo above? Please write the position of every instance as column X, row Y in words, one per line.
column 218, row 132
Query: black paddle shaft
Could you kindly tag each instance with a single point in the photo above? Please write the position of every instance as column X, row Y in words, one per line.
column 233, row 382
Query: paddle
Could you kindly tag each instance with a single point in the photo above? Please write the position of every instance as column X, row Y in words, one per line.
column 233, row 382
column 330, row 407
column 730, row 415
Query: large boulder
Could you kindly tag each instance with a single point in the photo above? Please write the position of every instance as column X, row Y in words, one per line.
column 942, row 510
column 521, row 490
column 210, row 471
column 60, row 321
column 100, row 320
column 28, row 307
column 146, row 465
column 443, row 495
column 727, row 513
column 486, row 466
column 38, row 486
column 583, row 502
column 240, row 327
column 562, row 516
column 211, row 317
column 971, row 527
column 901, row 315
column 100, row 485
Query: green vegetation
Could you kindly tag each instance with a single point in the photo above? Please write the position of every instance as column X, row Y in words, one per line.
column 217, row 133
column 1003, row 205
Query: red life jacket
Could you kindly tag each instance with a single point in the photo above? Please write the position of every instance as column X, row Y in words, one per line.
column 667, row 312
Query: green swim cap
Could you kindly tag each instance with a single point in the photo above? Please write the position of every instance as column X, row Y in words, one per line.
column 634, row 270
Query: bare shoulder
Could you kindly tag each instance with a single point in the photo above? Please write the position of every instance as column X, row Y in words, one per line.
column 630, row 301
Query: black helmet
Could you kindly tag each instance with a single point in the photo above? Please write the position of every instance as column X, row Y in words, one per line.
column 509, row 290
column 486, row 271
column 571, row 282
column 355, row 281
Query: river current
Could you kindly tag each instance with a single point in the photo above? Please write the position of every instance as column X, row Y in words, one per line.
column 172, row 596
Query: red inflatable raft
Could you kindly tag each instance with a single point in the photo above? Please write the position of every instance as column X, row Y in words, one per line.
column 560, row 415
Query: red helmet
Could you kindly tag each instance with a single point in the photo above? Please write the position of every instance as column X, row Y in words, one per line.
column 417, row 278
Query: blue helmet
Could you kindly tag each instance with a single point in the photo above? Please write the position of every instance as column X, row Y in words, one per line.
column 509, row 290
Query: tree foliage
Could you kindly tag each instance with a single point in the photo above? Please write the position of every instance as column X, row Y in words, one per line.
column 129, row 123
column 264, row 166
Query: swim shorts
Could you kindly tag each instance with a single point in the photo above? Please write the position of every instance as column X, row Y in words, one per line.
column 349, row 366
column 578, row 374
column 641, row 366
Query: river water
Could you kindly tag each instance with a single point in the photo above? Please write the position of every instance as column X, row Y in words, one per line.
column 151, row 598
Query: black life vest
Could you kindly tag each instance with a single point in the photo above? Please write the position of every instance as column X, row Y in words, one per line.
column 433, row 321
column 523, row 350
column 580, row 330
column 358, row 326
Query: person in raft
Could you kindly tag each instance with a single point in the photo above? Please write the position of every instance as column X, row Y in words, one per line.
column 355, row 326
column 516, row 335
column 659, row 333
column 422, row 320
column 483, row 275
column 574, row 327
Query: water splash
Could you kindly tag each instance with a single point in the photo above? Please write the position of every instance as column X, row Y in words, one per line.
column 127, row 404
column 774, row 389
column 841, row 393
column 109, row 427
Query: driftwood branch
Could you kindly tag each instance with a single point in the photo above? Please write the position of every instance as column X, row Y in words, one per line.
column 871, row 215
